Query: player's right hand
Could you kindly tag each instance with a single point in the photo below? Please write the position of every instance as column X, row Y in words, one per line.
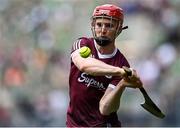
column 132, row 81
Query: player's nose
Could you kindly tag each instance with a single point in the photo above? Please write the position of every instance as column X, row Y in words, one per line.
column 104, row 30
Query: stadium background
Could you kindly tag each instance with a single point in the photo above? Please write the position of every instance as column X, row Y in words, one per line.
column 35, row 42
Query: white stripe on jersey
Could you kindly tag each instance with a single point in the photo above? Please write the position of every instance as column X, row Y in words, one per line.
column 77, row 44
column 74, row 45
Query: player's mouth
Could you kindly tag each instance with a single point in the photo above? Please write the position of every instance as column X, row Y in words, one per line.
column 103, row 40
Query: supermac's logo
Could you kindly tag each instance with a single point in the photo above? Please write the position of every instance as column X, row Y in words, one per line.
column 90, row 81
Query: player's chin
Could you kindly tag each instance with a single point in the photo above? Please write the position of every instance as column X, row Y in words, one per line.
column 103, row 40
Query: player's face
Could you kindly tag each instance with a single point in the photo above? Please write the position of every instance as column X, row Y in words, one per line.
column 105, row 27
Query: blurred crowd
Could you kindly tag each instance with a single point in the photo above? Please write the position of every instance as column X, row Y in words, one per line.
column 35, row 42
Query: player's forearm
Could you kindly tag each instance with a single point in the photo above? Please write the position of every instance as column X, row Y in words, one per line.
column 111, row 102
column 95, row 67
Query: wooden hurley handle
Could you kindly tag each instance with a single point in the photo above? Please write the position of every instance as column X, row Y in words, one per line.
column 127, row 70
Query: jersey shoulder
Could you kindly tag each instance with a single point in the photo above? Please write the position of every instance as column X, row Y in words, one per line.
column 82, row 41
column 86, row 41
column 124, row 61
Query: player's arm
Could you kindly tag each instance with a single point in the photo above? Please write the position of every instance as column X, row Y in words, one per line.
column 110, row 101
column 95, row 67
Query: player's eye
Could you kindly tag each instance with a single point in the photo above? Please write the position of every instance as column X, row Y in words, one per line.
column 109, row 25
column 99, row 25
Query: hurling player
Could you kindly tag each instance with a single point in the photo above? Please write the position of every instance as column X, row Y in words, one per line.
column 96, row 83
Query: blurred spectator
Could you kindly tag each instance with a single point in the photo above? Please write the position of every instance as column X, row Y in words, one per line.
column 166, row 55
column 149, row 71
column 5, row 117
column 27, row 110
column 43, row 111
column 14, row 70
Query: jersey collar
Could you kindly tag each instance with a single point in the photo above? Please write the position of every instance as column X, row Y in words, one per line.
column 104, row 56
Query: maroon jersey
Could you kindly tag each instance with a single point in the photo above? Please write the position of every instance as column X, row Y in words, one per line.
column 86, row 90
